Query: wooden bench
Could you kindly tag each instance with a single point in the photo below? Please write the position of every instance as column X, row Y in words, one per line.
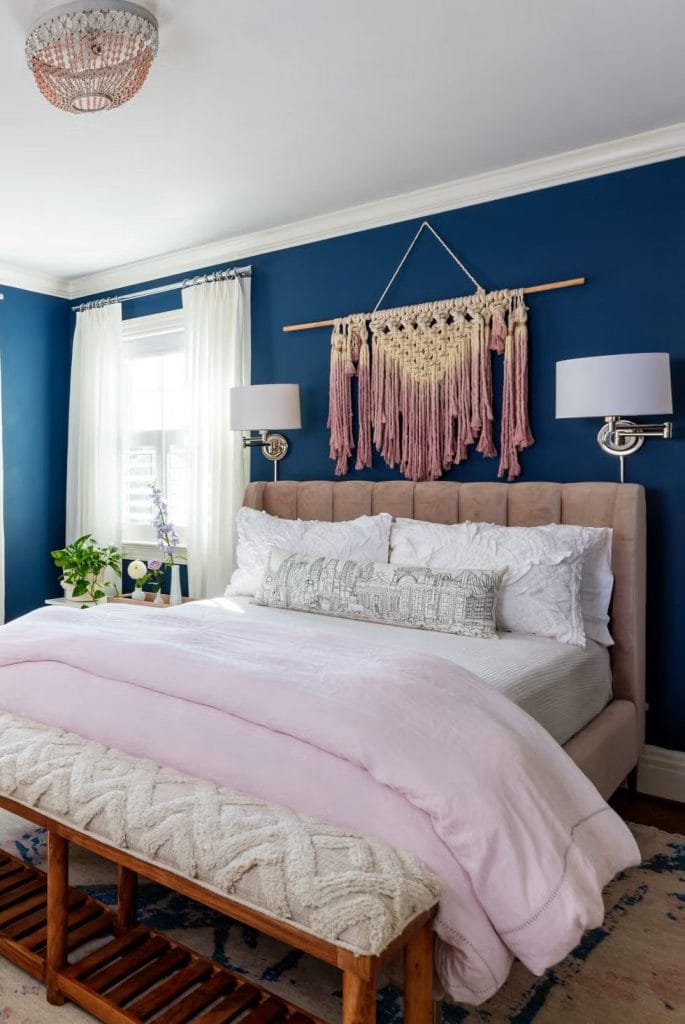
column 138, row 971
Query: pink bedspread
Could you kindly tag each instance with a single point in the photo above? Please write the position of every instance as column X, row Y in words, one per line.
column 403, row 746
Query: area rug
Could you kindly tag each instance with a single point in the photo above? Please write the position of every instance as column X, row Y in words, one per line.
column 629, row 971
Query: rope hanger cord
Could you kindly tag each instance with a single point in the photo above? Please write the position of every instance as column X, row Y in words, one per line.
column 424, row 380
column 443, row 243
column 571, row 282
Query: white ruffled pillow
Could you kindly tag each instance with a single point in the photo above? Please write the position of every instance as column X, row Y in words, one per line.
column 593, row 544
column 540, row 591
column 366, row 539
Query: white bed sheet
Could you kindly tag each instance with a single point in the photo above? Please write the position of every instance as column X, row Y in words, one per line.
column 562, row 687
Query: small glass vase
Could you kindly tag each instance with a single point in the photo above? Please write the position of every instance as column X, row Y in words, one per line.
column 138, row 594
column 175, row 596
column 159, row 601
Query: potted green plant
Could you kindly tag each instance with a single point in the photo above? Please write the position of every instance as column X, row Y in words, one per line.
column 83, row 564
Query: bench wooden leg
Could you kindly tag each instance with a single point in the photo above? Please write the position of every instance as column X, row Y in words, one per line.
column 359, row 999
column 58, row 899
column 418, row 977
column 127, row 897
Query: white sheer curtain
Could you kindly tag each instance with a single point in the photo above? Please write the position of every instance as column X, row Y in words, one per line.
column 94, row 461
column 2, row 517
column 217, row 317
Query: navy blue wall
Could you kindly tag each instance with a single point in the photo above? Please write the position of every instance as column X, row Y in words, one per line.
column 35, row 348
column 626, row 233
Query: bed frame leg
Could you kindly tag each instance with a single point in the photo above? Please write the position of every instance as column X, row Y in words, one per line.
column 58, row 913
column 418, row 977
column 127, row 900
column 359, row 999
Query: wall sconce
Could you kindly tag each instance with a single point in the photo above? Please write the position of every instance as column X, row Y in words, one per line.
column 252, row 407
column 638, row 384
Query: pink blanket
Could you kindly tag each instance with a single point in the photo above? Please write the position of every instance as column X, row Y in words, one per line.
column 403, row 746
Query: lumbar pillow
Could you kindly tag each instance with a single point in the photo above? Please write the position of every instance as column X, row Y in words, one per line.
column 366, row 538
column 400, row 595
column 540, row 591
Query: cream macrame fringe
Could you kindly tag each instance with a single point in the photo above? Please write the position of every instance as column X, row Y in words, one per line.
column 424, row 390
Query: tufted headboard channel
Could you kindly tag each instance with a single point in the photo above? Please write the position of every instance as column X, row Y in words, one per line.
column 620, row 506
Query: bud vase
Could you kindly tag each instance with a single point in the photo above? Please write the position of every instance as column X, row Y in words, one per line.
column 175, row 589
column 138, row 594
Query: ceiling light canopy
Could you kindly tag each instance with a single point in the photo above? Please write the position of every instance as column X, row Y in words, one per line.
column 86, row 57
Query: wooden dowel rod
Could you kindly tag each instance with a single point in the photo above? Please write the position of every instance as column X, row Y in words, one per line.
column 572, row 282
column 553, row 285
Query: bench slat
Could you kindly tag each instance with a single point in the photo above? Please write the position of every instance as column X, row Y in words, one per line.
column 149, row 1004
column 197, row 1000
column 233, row 1005
column 169, row 963
column 99, row 957
column 129, row 962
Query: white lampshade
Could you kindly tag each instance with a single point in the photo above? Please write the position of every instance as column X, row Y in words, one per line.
column 265, row 407
column 638, row 384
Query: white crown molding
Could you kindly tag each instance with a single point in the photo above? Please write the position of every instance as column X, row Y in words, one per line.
column 662, row 773
column 34, row 281
column 590, row 161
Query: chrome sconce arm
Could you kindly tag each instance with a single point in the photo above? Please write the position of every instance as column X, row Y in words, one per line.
column 274, row 446
column 623, row 437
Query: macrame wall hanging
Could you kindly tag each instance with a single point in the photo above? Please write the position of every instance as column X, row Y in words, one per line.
column 424, row 374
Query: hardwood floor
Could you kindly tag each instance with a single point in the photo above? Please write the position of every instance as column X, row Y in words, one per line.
column 650, row 810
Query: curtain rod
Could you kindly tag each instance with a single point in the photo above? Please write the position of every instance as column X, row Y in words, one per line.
column 221, row 275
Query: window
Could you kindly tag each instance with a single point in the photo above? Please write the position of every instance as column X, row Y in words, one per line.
column 155, row 425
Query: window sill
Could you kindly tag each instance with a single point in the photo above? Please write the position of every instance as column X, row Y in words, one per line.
column 145, row 552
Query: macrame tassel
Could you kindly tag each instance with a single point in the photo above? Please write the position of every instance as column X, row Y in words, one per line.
column 340, row 399
column 486, row 443
column 523, row 436
column 378, row 415
column 509, row 462
column 463, row 358
column 476, row 347
column 516, row 433
column 498, row 327
column 364, row 456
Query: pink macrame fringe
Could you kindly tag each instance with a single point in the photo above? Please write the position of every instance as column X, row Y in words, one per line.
column 516, row 432
column 423, row 415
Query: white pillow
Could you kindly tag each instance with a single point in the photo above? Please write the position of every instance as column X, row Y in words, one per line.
column 365, row 539
column 540, row 591
column 594, row 545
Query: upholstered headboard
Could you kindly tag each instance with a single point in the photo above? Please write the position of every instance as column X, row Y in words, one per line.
column 621, row 506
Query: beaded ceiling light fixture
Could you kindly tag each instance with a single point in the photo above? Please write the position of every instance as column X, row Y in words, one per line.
column 86, row 57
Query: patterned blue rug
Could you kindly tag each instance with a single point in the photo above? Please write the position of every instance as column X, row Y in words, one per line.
column 632, row 969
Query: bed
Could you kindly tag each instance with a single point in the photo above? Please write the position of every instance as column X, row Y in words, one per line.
column 607, row 747
column 201, row 689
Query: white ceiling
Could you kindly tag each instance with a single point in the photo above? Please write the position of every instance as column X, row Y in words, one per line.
column 258, row 113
